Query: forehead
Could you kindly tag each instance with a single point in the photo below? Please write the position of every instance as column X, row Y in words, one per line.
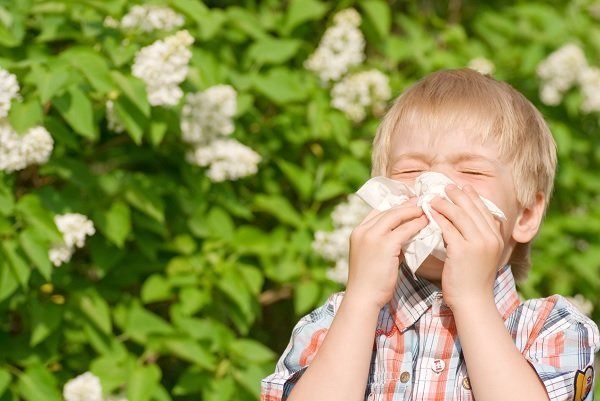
column 458, row 131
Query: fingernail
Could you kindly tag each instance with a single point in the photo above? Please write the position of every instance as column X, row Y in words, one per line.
column 468, row 188
column 451, row 187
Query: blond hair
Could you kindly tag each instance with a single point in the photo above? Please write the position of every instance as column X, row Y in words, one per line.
column 493, row 109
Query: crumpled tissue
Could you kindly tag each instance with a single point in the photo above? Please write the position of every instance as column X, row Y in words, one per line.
column 382, row 193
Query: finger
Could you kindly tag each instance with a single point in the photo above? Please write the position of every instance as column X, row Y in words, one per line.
column 489, row 218
column 372, row 214
column 459, row 217
column 392, row 214
column 468, row 199
column 395, row 217
column 450, row 233
column 409, row 229
column 375, row 213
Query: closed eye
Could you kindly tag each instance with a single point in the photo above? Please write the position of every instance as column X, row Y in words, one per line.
column 473, row 172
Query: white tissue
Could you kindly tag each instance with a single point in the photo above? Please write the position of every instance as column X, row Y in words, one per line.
column 382, row 193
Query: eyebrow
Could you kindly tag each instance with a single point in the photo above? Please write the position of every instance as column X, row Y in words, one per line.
column 457, row 158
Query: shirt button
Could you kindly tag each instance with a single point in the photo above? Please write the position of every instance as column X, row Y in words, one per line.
column 466, row 383
column 404, row 377
column 438, row 365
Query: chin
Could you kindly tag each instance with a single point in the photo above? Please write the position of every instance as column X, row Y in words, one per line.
column 431, row 269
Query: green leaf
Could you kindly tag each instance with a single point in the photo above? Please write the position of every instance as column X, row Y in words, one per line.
column 246, row 21
column 192, row 8
column 378, row 13
column 279, row 207
column 143, row 382
column 115, row 223
column 132, row 119
column 36, row 248
column 7, row 198
column 38, row 384
column 52, row 82
column 16, row 261
column 141, row 323
column 305, row 296
column 281, row 86
column 155, row 288
column 25, row 115
column 45, row 318
column 5, row 379
column 253, row 277
column 93, row 66
column 146, row 200
column 249, row 377
column 13, row 32
column 95, row 308
column 8, row 281
column 273, row 51
column 220, row 389
column 330, row 189
column 76, row 109
column 134, row 89
column 158, row 129
column 300, row 11
column 30, row 208
column 299, row 177
column 191, row 381
column 211, row 23
column 192, row 300
column 112, row 369
column 191, row 351
column 232, row 285
column 216, row 223
column 252, row 351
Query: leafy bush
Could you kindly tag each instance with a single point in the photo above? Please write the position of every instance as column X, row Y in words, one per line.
column 195, row 269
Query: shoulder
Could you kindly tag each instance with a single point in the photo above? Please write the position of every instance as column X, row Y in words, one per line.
column 553, row 318
column 327, row 310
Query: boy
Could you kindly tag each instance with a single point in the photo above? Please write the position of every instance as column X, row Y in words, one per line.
column 456, row 331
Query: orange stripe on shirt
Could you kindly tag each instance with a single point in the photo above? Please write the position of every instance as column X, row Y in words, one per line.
column 315, row 342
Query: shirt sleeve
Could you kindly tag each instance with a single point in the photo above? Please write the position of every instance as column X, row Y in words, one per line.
column 560, row 347
column 307, row 336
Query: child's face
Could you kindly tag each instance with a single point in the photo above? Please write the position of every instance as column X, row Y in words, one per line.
column 459, row 154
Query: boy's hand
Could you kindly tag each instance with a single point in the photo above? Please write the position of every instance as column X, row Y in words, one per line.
column 474, row 246
column 376, row 251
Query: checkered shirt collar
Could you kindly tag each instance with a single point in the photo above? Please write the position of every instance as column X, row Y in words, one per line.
column 413, row 296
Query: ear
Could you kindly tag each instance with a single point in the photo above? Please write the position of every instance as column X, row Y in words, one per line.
column 529, row 220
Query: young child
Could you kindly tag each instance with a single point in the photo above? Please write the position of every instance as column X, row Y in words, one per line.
column 457, row 330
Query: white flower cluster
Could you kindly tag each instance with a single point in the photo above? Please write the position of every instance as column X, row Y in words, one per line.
column 482, row 65
column 589, row 81
column 559, row 72
column 9, row 90
column 334, row 245
column 19, row 151
column 206, row 118
column 113, row 122
column 87, row 387
column 149, row 17
column 163, row 65
column 342, row 46
column 208, row 115
column 74, row 227
column 226, row 159
column 359, row 91
column 564, row 69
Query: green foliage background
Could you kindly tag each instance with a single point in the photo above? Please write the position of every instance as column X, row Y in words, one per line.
column 189, row 289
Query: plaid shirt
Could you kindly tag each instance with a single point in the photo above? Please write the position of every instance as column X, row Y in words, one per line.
column 417, row 354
